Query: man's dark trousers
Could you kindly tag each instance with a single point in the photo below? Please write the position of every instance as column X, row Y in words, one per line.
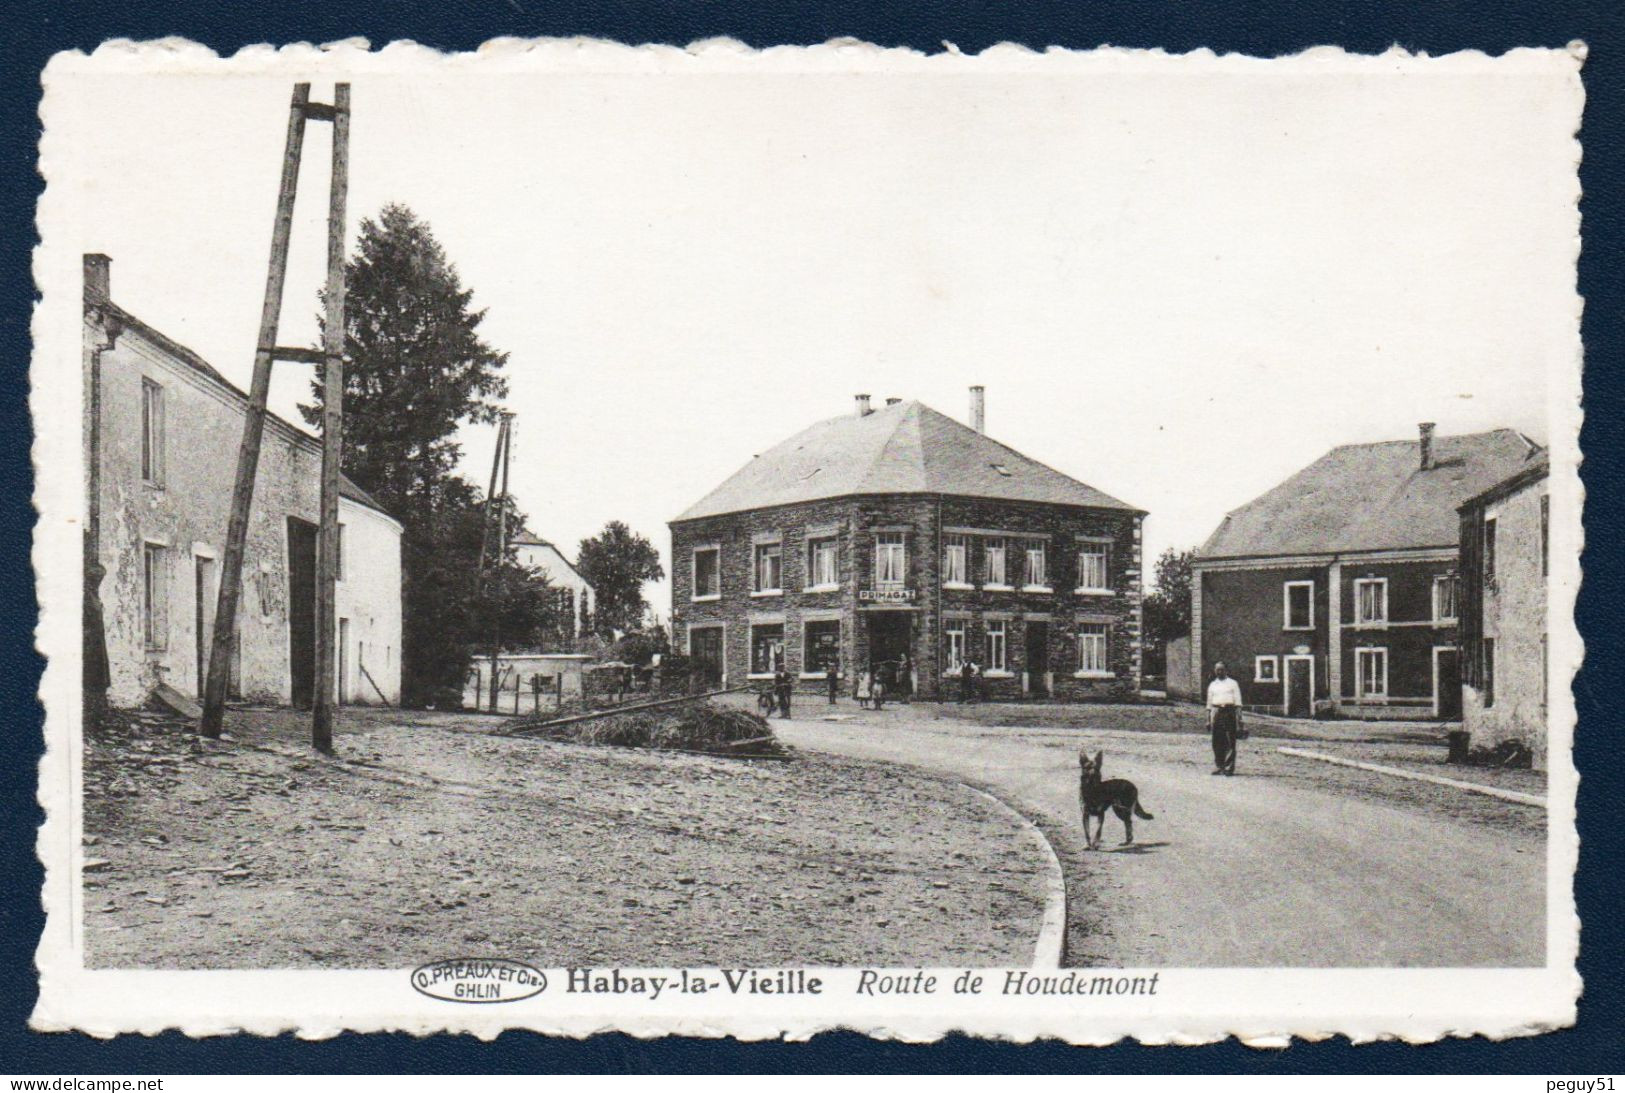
column 1224, row 738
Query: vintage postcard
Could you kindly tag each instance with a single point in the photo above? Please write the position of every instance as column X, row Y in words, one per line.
column 718, row 542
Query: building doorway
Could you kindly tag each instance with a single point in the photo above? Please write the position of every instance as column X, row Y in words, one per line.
column 343, row 661
column 705, row 650
column 203, row 620
column 890, row 639
column 1446, row 683
column 301, row 611
column 1300, row 686
column 1037, row 654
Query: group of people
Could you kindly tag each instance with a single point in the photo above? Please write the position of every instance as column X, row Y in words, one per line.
column 881, row 680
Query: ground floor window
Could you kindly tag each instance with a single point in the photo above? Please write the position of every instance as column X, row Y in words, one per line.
column 766, row 648
column 822, row 645
column 996, row 646
column 1372, row 673
column 1489, row 672
column 1266, row 669
column 953, row 643
column 155, row 596
column 1092, row 647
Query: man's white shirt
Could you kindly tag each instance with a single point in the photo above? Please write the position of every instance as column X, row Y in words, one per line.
column 1224, row 692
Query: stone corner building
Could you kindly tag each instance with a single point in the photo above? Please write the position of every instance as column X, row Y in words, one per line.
column 899, row 530
column 1338, row 592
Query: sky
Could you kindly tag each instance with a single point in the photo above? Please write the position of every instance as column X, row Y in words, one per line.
column 1178, row 283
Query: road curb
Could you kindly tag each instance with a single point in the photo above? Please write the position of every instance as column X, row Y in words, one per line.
column 1050, row 947
column 1417, row 776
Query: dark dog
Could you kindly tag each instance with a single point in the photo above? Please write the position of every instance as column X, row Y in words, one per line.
column 1095, row 797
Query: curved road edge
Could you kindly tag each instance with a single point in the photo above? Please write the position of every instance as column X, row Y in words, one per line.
column 1049, row 951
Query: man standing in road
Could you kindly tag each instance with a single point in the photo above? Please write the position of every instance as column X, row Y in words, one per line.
column 782, row 688
column 1223, row 719
column 832, row 677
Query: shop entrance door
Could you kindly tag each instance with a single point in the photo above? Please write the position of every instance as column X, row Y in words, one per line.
column 890, row 638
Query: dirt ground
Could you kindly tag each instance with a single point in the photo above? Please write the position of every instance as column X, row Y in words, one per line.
column 430, row 838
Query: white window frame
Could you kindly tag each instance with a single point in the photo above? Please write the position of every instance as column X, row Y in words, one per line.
column 1001, row 663
column 1088, row 550
column 1092, row 630
column 953, row 657
column 153, row 432
column 891, row 543
column 1359, row 585
column 1360, row 653
column 750, row 649
column 815, row 546
column 1274, row 663
column 996, row 545
column 1040, row 549
column 1286, row 604
column 757, row 554
column 960, row 545
column 695, row 595
column 1446, row 579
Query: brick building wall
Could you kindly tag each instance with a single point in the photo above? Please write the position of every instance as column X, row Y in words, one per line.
column 1410, row 635
column 1244, row 618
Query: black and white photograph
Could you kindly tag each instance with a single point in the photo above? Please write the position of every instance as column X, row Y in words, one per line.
column 707, row 541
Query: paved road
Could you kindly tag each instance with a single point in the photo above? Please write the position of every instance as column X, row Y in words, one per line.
column 1245, row 871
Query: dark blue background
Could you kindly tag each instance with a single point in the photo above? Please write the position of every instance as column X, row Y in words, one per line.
column 33, row 31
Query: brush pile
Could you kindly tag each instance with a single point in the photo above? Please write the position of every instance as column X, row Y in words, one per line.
column 704, row 727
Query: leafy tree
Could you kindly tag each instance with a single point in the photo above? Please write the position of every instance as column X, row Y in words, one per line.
column 1167, row 607
column 417, row 370
column 617, row 562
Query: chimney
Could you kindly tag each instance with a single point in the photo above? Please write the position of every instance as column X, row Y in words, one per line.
column 978, row 408
column 893, row 401
column 98, row 277
column 863, row 405
column 1426, row 430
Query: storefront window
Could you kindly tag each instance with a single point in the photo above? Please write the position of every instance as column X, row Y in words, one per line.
column 822, row 642
column 766, row 648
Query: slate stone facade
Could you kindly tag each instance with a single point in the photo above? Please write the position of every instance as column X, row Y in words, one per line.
column 870, row 619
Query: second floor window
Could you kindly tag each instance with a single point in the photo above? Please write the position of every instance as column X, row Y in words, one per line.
column 152, row 433
column 890, row 560
column 995, row 561
column 1489, row 550
column 1370, row 601
column 707, row 573
column 1300, row 605
column 821, row 563
column 954, row 567
column 1037, row 571
column 769, row 567
column 1445, row 594
column 1092, row 567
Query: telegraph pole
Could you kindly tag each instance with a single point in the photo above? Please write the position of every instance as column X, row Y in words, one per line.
column 327, row 550
column 266, row 351
column 500, row 460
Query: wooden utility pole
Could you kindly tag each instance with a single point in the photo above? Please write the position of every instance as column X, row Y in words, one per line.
column 265, row 353
column 327, row 551
column 500, row 460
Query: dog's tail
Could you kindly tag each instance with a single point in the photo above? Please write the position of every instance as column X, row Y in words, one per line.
column 1141, row 812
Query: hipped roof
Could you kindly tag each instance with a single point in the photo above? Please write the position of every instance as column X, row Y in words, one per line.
column 905, row 448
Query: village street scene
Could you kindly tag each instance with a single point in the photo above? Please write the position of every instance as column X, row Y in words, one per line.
column 402, row 641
